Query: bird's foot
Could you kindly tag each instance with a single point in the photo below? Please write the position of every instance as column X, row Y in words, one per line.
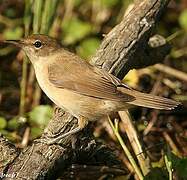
column 82, row 122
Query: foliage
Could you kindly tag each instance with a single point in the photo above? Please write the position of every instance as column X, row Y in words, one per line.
column 40, row 115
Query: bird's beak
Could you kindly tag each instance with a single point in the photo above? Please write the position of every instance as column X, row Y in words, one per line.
column 18, row 43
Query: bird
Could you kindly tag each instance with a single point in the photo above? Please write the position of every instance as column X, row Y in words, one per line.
column 85, row 91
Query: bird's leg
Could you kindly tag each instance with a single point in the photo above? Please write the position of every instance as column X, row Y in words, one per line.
column 82, row 122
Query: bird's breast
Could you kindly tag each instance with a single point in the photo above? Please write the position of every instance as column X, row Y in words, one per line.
column 59, row 96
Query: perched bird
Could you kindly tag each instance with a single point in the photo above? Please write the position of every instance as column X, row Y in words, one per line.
column 85, row 91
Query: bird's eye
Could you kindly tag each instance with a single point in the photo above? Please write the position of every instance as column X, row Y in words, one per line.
column 38, row 44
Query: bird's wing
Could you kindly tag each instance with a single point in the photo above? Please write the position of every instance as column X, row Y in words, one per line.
column 77, row 75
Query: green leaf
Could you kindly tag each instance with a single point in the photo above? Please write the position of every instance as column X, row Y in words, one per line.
column 74, row 30
column 13, row 124
column 10, row 12
column 4, row 132
column 183, row 19
column 77, row 3
column 40, row 115
column 179, row 164
column 157, row 174
column 9, row 135
column 3, row 123
column 36, row 132
column 109, row 3
column 88, row 47
column 181, row 168
column 13, row 33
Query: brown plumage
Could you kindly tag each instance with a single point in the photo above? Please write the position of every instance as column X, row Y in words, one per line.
column 85, row 91
column 93, row 82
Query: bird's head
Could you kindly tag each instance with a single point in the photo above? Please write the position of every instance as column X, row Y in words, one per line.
column 36, row 46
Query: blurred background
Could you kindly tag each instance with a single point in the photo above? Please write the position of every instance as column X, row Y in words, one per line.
column 80, row 25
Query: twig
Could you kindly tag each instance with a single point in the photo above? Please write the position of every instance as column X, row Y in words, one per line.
column 127, row 152
column 151, row 123
column 126, row 162
column 25, row 138
column 27, row 21
column 154, row 114
column 23, row 87
column 175, row 34
column 168, row 166
column 171, row 71
column 36, row 29
column 134, row 140
column 171, row 144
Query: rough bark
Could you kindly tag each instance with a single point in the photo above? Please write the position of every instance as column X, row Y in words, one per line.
column 126, row 47
column 129, row 45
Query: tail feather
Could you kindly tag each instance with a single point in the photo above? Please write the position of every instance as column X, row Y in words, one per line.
column 150, row 101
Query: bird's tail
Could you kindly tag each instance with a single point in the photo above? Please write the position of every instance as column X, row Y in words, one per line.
column 149, row 100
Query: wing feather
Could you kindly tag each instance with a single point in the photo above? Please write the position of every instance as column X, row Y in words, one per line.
column 77, row 75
